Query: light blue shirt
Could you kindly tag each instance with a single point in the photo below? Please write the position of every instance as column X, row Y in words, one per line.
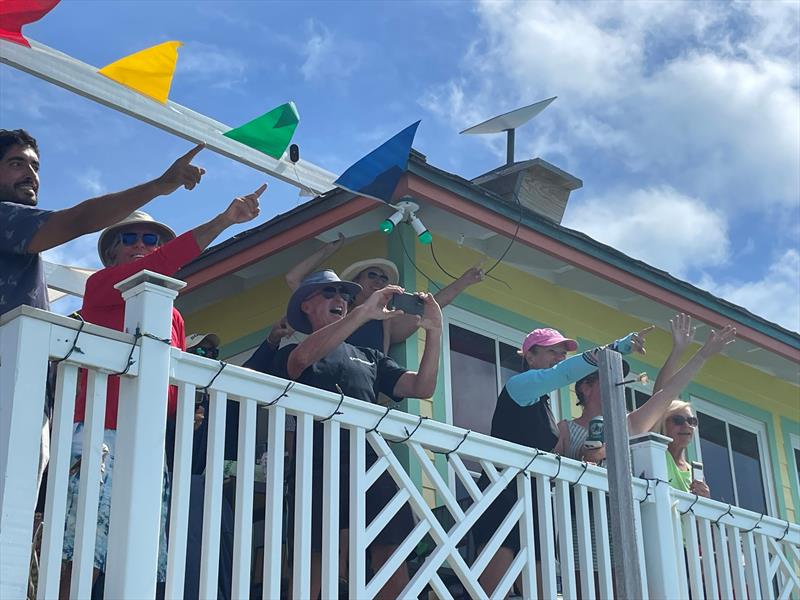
column 526, row 388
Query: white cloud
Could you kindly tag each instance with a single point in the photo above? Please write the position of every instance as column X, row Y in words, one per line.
column 90, row 180
column 660, row 226
column 702, row 96
column 328, row 58
column 774, row 296
column 208, row 63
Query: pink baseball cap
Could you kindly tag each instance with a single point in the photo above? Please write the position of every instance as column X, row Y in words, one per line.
column 546, row 337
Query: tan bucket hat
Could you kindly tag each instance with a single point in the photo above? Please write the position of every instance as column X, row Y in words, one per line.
column 387, row 266
column 137, row 217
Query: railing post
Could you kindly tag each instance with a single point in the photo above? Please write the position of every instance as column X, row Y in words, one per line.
column 648, row 451
column 620, row 491
column 24, row 348
column 139, row 455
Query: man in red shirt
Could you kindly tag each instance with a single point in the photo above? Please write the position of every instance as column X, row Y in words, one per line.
column 126, row 248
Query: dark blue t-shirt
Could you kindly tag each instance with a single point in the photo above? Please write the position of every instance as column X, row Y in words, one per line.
column 21, row 273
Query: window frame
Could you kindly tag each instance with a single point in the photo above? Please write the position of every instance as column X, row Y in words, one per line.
column 794, row 444
column 750, row 424
column 499, row 332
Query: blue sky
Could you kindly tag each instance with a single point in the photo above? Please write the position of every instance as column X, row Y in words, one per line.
column 682, row 119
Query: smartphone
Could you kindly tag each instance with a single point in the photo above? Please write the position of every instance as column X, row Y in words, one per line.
column 411, row 304
column 697, row 471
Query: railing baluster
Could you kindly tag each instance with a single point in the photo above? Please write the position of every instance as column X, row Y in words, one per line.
column 602, row 540
column 566, row 551
column 181, row 485
column 752, row 576
column 723, row 560
column 526, row 536
column 546, row 537
column 243, row 515
column 692, row 543
column 58, row 475
column 89, row 486
column 639, row 531
column 302, row 508
column 330, row 510
column 683, row 575
column 709, row 566
column 273, row 515
column 583, row 521
column 737, row 562
column 358, row 573
column 212, row 496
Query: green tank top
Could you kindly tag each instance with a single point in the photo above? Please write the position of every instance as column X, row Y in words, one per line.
column 680, row 480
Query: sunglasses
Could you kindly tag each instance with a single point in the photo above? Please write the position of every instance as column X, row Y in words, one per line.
column 679, row 420
column 331, row 292
column 382, row 278
column 207, row 352
column 129, row 238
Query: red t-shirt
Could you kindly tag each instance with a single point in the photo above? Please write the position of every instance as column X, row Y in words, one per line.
column 103, row 305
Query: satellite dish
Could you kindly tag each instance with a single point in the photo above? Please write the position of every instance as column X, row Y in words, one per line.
column 508, row 122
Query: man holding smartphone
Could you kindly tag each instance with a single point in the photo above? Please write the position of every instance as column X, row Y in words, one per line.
column 321, row 308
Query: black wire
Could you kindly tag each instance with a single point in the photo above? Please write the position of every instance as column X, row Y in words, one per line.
column 284, row 394
column 74, row 342
column 411, row 260
column 438, row 264
column 513, row 238
column 336, row 410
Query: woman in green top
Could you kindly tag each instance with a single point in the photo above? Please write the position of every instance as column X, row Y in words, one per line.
column 680, row 424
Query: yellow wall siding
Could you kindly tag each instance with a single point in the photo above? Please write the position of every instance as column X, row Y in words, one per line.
column 532, row 298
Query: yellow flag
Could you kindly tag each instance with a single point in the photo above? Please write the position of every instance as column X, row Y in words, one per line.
column 148, row 71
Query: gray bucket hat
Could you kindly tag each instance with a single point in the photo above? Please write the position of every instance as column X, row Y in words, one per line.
column 316, row 281
column 137, row 217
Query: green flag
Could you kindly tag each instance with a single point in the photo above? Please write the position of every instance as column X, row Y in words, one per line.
column 271, row 132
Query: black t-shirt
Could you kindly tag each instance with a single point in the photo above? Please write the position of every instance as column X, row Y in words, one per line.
column 533, row 426
column 361, row 372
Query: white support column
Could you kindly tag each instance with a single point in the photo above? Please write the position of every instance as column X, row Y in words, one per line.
column 141, row 425
column 24, row 347
column 648, row 452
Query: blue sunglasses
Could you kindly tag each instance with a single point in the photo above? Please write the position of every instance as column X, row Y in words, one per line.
column 129, row 238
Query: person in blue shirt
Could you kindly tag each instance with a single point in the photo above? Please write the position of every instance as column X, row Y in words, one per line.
column 523, row 415
column 28, row 230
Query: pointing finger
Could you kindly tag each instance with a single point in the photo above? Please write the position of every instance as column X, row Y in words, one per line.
column 646, row 330
column 260, row 190
column 187, row 158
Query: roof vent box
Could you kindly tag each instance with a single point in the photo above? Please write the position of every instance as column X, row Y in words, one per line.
column 540, row 186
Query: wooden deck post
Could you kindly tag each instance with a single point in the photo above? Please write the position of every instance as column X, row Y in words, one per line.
column 139, row 461
column 649, row 457
column 620, row 491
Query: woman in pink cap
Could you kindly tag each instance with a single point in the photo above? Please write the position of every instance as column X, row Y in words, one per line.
column 523, row 416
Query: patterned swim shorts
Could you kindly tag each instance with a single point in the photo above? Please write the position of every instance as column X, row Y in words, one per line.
column 104, row 505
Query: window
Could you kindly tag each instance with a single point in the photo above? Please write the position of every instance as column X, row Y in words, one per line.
column 481, row 355
column 794, row 441
column 735, row 458
column 635, row 396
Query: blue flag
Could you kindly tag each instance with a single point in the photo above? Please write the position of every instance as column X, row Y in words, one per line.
column 377, row 174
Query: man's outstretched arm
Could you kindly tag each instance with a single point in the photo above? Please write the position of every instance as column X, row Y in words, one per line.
column 98, row 213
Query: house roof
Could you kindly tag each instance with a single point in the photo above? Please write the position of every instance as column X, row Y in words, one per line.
column 337, row 205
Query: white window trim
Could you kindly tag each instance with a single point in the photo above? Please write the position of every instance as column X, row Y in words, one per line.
column 491, row 329
column 759, row 428
column 794, row 443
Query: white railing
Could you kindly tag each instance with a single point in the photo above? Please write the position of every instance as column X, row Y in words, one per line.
column 763, row 561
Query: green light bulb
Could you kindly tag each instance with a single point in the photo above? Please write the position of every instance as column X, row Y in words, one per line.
column 425, row 237
column 387, row 226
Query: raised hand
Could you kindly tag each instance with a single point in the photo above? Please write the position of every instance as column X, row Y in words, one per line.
column 473, row 275
column 244, row 208
column 181, row 173
column 717, row 340
column 432, row 315
column 637, row 339
column 682, row 331
column 280, row 330
column 375, row 306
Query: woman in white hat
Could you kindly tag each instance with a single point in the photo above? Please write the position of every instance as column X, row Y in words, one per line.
column 136, row 243
column 374, row 274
